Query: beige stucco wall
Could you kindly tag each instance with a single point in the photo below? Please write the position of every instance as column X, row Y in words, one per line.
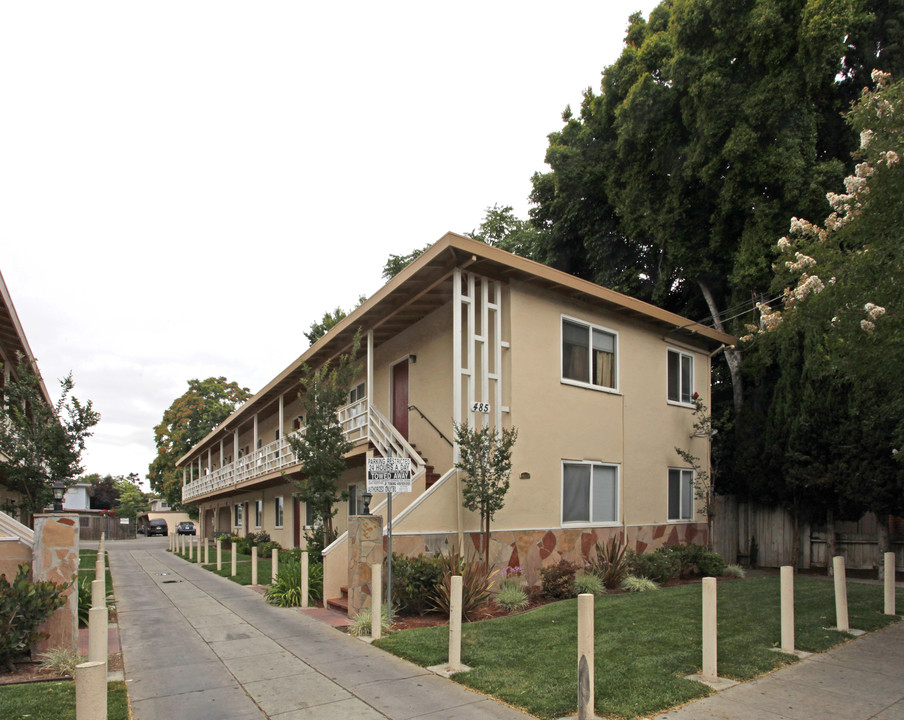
column 12, row 554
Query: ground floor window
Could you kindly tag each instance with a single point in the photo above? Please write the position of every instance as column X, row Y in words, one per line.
column 278, row 511
column 681, row 494
column 258, row 513
column 589, row 492
column 355, row 505
column 238, row 515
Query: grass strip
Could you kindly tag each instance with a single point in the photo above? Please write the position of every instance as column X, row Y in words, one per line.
column 56, row 701
column 645, row 644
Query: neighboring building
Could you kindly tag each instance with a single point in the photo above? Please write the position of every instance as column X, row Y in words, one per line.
column 78, row 497
column 599, row 385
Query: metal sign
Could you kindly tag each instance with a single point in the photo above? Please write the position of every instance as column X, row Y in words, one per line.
column 388, row 475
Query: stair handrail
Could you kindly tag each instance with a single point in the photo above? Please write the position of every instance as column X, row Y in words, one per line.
column 378, row 427
column 17, row 530
column 439, row 432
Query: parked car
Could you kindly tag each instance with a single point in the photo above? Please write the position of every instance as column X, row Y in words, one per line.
column 186, row 528
column 157, row 526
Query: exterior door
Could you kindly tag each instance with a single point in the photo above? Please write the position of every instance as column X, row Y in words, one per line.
column 296, row 522
column 400, row 397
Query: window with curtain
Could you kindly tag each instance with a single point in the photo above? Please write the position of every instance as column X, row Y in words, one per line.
column 588, row 354
column 681, row 494
column 278, row 511
column 258, row 513
column 681, row 376
column 589, row 492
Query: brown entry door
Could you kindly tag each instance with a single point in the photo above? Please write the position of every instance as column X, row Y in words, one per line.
column 400, row 397
column 296, row 522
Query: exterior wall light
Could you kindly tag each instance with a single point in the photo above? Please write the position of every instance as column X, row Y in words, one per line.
column 59, row 489
column 524, row 476
column 366, row 497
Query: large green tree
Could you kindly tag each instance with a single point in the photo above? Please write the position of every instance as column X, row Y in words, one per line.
column 40, row 443
column 185, row 423
column 720, row 119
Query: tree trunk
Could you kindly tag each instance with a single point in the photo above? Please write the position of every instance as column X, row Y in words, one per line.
column 732, row 355
column 882, row 540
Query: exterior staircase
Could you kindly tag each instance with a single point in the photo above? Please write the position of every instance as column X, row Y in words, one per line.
column 431, row 475
column 339, row 604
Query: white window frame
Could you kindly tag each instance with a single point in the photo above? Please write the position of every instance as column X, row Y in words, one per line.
column 307, row 518
column 590, row 522
column 590, row 328
column 354, row 499
column 278, row 511
column 258, row 513
column 682, row 355
column 686, row 495
column 238, row 515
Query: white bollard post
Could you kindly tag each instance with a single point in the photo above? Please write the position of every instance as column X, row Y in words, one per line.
column 207, row 551
column 455, row 625
column 710, row 659
column 98, row 593
column 219, row 554
column 274, row 570
column 99, row 569
column 586, row 673
column 235, row 559
column 787, row 579
column 97, row 635
column 91, row 691
column 304, row 579
column 376, row 601
column 841, row 604
column 200, row 557
column 254, row 565
column 890, row 584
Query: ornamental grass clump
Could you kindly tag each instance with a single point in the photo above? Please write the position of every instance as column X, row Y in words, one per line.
column 610, row 563
column 638, row 584
column 286, row 591
column 61, row 661
column 589, row 584
column 476, row 581
column 511, row 596
column 361, row 624
column 735, row 571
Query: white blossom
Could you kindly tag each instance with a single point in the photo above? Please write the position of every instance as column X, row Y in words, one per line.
column 809, row 285
column 867, row 326
column 784, row 244
column 864, row 170
column 855, row 185
column 881, row 78
column 866, row 137
column 874, row 311
column 892, row 159
column 802, row 262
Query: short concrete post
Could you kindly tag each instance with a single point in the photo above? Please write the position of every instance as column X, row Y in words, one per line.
column 890, row 583
column 455, row 625
column 91, row 691
column 97, row 635
column 207, row 551
column 219, row 554
column 710, row 659
column 191, row 547
column 235, row 559
column 200, row 556
column 304, row 579
column 376, row 601
column 254, row 565
column 586, row 672
column 841, row 604
column 274, row 570
column 787, row 578
column 98, row 593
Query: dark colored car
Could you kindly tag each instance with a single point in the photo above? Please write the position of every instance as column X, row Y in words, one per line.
column 186, row 528
column 157, row 526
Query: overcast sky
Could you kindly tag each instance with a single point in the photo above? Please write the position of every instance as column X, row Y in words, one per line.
column 186, row 186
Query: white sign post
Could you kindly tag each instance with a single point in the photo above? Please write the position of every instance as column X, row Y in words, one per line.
column 388, row 475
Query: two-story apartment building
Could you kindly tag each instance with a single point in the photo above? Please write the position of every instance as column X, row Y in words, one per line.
column 599, row 385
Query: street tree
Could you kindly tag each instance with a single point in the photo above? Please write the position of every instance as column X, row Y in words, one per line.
column 485, row 459
column 186, row 422
column 41, row 443
column 321, row 448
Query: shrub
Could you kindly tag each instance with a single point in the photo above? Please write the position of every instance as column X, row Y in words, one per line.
column 711, row 564
column 610, row 563
column 735, row 571
column 257, row 538
column 511, row 596
column 225, row 538
column 558, row 580
column 638, row 584
column 361, row 624
column 61, row 661
column 589, row 584
column 265, row 549
column 658, row 566
column 286, row 591
column 414, row 581
column 476, row 580
column 24, row 605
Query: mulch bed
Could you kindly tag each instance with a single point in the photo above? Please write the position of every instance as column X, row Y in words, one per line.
column 29, row 671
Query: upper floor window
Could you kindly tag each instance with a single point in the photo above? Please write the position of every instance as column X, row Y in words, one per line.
column 681, row 377
column 588, row 354
column 359, row 392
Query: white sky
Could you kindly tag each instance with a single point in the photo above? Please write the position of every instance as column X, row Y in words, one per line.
column 186, row 186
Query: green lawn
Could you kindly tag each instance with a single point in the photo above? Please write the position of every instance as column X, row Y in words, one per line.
column 86, row 565
column 243, row 566
column 645, row 644
column 56, row 701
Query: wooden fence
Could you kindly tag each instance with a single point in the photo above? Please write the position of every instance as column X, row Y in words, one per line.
column 91, row 526
column 737, row 524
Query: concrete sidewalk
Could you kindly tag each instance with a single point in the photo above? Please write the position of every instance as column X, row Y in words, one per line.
column 860, row 680
column 197, row 645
